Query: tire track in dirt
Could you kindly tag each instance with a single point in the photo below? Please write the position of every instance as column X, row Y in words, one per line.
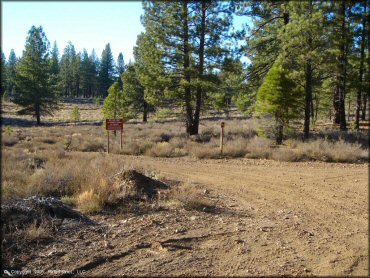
column 331, row 200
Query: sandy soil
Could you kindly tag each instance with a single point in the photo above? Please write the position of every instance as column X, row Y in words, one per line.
column 273, row 218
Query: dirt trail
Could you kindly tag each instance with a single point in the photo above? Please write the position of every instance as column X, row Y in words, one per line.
column 326, row 204
column 277, row 219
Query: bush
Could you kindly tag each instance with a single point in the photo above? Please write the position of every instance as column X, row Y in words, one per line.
column 165, row 149
column 235, row 148
column 10, row 141
column 93, row 146
column 89, row 202
column 75, row 115
column 203, row 151
column 284, row 154
column 258, row 148
column 188, row 197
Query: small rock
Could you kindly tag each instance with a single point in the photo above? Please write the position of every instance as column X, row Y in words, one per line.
column 192, row 218
column 206, row 191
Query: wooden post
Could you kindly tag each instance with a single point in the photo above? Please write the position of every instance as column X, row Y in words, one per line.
column 121, row 138
column 222, row 137
column 108, row 141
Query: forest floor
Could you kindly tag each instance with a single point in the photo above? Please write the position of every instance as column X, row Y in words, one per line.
column 272, row 218
column 266, row 217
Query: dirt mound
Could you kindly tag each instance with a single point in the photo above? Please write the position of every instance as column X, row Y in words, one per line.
column 35, row 208
column 133, row 185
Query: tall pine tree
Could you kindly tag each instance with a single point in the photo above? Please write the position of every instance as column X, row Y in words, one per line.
column 33, row 86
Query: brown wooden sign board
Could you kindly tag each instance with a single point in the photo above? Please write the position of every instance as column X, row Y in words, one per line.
column 113, row 124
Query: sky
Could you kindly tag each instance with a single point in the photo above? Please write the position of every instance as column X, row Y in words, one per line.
column 86, row 24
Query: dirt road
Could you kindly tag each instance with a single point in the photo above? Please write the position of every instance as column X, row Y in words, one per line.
column 278, row 218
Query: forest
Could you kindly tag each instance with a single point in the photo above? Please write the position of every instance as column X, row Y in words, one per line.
column 307, row 60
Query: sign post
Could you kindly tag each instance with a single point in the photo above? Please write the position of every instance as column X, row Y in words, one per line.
column 222, row 137
column 113, row 124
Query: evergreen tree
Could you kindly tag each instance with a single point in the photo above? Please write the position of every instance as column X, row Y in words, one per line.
column 303, row 48
column 120, row 67
column 94, row 63
column 232, row 84
column 134, row 94
column 76, row 74
column 36, row 98
column 278, row 97
column 54, row 61
column 106, row 71
column 113, row 103
column 87, row 75
column 66, row 70
column 3, row 73
column 10, row 71
column 262, row 42
column 189, row 42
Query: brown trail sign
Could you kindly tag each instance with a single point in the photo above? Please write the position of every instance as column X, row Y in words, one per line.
column 113, row 124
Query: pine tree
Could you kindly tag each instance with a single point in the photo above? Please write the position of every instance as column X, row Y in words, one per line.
column 76, row 74
column 120, row 68
column 54, row 61
column 106, row 71
column 10, row 71
column 134, row 94
column 187, row 43
column 94, row 70
column 66, row 71
column 278, row 97
column 3, row 73
column 303, row 45
column 113, row 103
column 37, row 98
column 231, row 85
column 262, row 43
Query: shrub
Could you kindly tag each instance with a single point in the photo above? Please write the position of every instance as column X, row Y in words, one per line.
column 203, row 151
column 37, row 232
column 164, row 113
column 165, row 149
column 188, row 197
column 235, row 148
column 10, row 141
column 89, row 202
column 69, row 200
column 48, row 141
column 92, row 146
column 258, row 148
column 75, row 115
column 284, row 154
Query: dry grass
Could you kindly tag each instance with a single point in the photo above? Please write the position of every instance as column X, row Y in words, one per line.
column 89, row 202
column 189, row 197
column 37, row 232
column 69, row 160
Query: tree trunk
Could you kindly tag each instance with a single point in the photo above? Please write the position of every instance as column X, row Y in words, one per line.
column 189, row 109
column 38, row 114
column 339, row 96
column 308, row 99
column 198, row 102
column 279, row 133
column 145, row 111
column 349, row 110
column 364, row 100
